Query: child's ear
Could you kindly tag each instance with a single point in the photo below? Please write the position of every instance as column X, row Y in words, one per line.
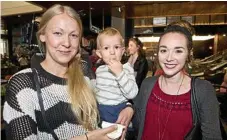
column 123, row 50
column 98, row 53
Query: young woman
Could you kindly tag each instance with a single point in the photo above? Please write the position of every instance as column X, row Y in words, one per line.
column 69, row 104
column 137, row 59
column 164, row 107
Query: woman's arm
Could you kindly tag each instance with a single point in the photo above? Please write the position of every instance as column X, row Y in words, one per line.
column 127, row 83
column 209, row 110
column 19, row 109
column 124, row 118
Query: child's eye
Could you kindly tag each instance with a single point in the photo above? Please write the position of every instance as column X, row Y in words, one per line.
column 117, row 47
column 105, row 48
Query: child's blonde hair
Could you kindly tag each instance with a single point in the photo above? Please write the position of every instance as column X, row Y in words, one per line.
column 109, row 31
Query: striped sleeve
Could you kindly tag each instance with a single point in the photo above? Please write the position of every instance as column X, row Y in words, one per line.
column 19, row 109
column 127, row 83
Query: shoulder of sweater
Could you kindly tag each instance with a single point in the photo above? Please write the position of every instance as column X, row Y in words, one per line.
column 148, row 82
column 150, row 79
column 204, row 88
column 102, row 67
column 202, row 83
column 19, row 81
column 20, row 73
column 128, row 66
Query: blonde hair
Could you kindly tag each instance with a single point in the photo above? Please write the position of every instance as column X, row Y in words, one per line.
column 109, row 31
column 81, row 95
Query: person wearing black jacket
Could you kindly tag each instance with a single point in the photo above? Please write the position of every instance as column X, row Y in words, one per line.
column 138, row 59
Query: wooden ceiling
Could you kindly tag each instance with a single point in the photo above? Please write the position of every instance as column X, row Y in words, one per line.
column 143, row 9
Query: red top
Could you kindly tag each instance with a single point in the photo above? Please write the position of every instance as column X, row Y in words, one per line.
column 170, row 112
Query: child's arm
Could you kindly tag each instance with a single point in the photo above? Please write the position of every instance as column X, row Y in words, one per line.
column 127, row 82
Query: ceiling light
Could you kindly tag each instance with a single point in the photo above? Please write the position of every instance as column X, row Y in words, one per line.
column 149, row 39
column 18, row 7
column 201, row 38
column 156, row 39
column 119, row 9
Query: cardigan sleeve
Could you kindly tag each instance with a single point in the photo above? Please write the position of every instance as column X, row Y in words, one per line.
column 209, row 110
column 140, row 103
column 19, row 109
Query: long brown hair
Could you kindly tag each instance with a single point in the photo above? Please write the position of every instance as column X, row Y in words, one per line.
column 139, row 44
column 81, row 95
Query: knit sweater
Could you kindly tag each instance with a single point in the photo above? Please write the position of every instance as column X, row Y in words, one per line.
column 112, row 90
column 22, row 113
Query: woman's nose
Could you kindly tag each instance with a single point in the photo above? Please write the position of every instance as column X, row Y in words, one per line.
column 66, row 41
column 169, row 56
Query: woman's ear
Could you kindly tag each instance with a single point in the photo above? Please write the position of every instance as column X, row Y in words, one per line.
column 42, row 38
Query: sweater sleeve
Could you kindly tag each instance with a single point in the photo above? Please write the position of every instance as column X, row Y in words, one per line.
column 19, row 109
column 127, row 82
column 209, row 111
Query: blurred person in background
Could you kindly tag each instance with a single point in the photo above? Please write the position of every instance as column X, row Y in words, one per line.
column 137, row 59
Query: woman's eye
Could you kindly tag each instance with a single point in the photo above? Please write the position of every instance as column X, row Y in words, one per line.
column 179, row 51
column 58, row 33
column 74, row 36
column 162, row 51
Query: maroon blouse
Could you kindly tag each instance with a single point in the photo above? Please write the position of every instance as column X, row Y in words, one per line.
column 168, row 117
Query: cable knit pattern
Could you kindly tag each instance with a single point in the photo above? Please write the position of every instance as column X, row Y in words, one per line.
column 22, row 113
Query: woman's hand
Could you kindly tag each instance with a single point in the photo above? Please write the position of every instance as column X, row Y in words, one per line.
column 124, row 118
column 99, row 134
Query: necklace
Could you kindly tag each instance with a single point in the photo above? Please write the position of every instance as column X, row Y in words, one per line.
column 160, row 136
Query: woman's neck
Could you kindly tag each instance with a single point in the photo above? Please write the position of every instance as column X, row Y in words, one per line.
column 135, row 55
column 54, row 68
column 133, row 58
column 176, row 79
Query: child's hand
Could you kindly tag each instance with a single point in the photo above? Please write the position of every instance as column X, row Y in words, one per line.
column 115, row 66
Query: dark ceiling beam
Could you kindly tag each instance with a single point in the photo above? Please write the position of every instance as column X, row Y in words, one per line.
column 176, row 9
column 97, row 6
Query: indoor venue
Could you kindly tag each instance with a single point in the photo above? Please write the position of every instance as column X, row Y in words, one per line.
column 145, row 20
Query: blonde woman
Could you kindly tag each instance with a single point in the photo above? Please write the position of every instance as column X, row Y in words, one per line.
column 69, row 105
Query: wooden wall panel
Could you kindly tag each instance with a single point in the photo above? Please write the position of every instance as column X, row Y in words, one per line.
column 177, row 9
column 202, row 20
column 217, row 19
